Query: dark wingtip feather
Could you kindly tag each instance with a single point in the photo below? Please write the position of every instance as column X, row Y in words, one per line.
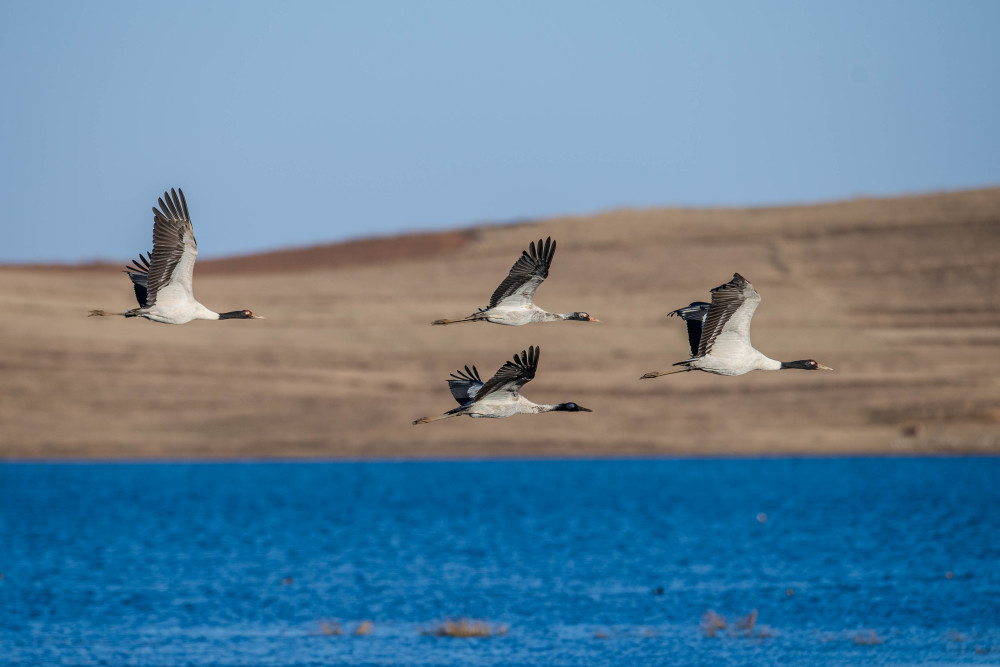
column 140, row 265
column 526, row 359
column 468, row 376
column 738, row 281
column 532, row 359
column 184, row 204
column 533, row 263
column 171, row 206
column 173, row 203
column 692, row 309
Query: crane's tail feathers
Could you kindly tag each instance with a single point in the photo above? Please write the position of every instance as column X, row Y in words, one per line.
column 656, row 374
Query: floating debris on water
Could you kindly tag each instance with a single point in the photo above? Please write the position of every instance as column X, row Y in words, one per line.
column 745, row 626
column 711, row 623
column 464, row 627
column 330, row 628
column 867, row 638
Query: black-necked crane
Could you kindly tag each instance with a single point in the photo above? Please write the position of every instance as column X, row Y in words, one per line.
column 501, row 395
column 163, row 280
column 511, row 303
column 719, row 334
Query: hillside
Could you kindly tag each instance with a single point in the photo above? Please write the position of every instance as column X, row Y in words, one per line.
column 899, row 295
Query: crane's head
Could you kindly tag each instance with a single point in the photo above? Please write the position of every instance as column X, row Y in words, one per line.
column 571, row 407
column 582, row 317
column 240, row 315
column 806, row 365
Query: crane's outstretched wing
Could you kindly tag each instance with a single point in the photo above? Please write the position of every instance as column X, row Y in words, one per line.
column 512, row 375
column 466, row 385
column 171, row 267
column 138, row 273
column 695, row 315
column 728, row 318
column 528, row 272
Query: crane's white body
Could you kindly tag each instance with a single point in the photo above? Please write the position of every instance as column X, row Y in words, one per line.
column 719, row 334
column 497, row 406
column 163, row 280
column 175, row 302
column 177, row 313
column 730, row 352
column 735, row 359
column 512, row 302
column 501, row 396
column 517, row 314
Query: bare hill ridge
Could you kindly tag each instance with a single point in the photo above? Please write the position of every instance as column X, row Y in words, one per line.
column 899, row 295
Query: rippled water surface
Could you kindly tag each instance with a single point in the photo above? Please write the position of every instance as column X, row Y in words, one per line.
column 846, row 561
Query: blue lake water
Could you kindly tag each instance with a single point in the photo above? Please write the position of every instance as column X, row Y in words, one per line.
column 873, row 561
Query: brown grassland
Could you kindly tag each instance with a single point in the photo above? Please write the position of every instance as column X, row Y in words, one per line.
column 899, row 295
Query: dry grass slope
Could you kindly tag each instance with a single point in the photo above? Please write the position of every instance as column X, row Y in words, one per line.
column 899, row 295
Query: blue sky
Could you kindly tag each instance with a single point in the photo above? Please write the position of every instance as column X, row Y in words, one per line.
column 302, row 122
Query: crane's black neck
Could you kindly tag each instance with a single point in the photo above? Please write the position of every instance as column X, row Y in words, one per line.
column 235, row 315
column 804, row 364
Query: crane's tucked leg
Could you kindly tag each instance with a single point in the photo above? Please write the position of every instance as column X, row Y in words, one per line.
column 656, row 374
column 102, row 313
column 467, row 319
column 428, row 420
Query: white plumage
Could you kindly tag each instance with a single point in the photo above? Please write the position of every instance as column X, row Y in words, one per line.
column 719, row 334
column 163, row 281
column 512, row 302
column 501, row 395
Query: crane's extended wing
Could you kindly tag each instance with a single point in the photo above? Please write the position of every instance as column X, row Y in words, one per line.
column 466, row 385
column 138, row 273
column 728, row 318
column 511, row 376
column 694, row 315
column 171, row 267
column 528, row 272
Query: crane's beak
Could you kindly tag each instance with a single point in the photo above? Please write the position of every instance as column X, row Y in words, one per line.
column 592, row 319
column 583, row 409
column 258, row 317
column 824, row 368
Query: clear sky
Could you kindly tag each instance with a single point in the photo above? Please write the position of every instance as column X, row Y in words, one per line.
column 291, row 123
